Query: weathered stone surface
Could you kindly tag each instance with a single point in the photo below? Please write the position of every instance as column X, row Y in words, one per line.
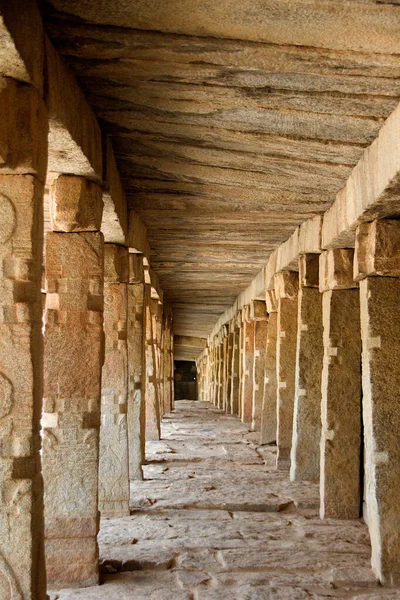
column 286, row 285
column 336, row 270
column 152, row 404
column 260, row 345
column 136, row 379
column 22, row 572
column 286, row 367
column 180, row 537
column 23, row 137
column 305, row 455
column 76, row 204
column 341, row 406
column 377, row 249
column 380, row 329
column 219, row 119
column 113, row 462
column 248, row 367
column 71, row 418
column 309, row 270
column 270, row 407
column 235, row 369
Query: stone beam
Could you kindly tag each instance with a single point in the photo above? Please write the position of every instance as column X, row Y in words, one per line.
column 114, row 224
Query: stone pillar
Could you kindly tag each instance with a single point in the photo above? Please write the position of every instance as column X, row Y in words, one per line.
column 269, row 407
column 260, row 319
column 74, row 351
column 248, row 360
column 113, row 464
column 153, row 425
column 305, row 456
column 167, row 359
column 229, row 372
column 241, row 363
column 136, row 368
column 378, row 265
column 341, row 388
column 23, row 150
column 286, row 289
column 235, row 368
column 219, row 374
column 224, row 367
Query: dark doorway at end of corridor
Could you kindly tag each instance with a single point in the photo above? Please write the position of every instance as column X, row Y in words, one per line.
column 185, row 380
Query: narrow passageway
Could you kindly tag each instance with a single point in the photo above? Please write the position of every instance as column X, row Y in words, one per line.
column 215, row 520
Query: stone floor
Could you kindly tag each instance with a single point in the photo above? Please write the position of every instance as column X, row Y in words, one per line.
column 214, row 520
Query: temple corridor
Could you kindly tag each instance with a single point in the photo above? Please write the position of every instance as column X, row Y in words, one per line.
column 214, row 520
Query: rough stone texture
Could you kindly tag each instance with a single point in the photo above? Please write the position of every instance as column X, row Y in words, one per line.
column 76, row 204
column 260, row 344
column 113, row 462
column 285, row 375
column 224, row 112
column 22, row 572
column 229, row 372
column 305, row 455
column 235, row 370
column 336, row 270
column 152, row 405
column 248, row 370
column 269, row 407
column 341, row 406
column 136, row 372
column 377, row 249
column 380, row 327
column 214, row 520
column 71, row 418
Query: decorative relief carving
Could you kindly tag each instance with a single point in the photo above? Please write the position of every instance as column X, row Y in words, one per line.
column 8, row 219
column 9, row 586
column 6, row 396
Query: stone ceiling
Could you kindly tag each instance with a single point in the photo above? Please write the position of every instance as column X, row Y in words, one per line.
column 232, row 121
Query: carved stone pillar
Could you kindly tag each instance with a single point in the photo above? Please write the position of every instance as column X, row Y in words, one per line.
column 229, row 369
column 378, row 265
column 286, row 289
column 248, row 360
column 72, row 381
column 341, row 387
column 153, row 425
column 113, row 466
column 305, row 456
column 23, row 151
column 269, row 407
column 235, row 369
column 136, row 359
column 260, row 319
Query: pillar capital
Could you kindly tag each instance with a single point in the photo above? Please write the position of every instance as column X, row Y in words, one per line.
column 336, row 270
column 115, row 263
column 76, row 204
column 258, row 310
column 286, row 285
column 377, row 250
column 271, row 301
column 309, row 270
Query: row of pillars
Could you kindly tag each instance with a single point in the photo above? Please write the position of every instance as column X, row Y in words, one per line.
column 89, row 371
column 316, row 370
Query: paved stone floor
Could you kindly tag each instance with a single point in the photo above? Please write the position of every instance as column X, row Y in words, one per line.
column 214, row 520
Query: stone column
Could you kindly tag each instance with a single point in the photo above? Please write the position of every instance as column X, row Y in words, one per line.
column 153, row 425
column 248, row 360
column 241, row 363
column 113, row 464
column 286, row 289
column 167, row 359
column 229, row 372
column 23, row 150
column 305, row 456
column 74, row 351
column 156, row 316
column 136, row 368
column 260, row 319
column 341, row 388
column 235, row 368
column 224, row 367
column 269, row 407
column 219, row 374
column 378, row 265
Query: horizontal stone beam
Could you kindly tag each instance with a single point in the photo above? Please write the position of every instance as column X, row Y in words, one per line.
column 115, row 215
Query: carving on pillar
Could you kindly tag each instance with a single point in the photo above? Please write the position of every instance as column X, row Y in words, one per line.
column 6, row 396
column 8, row 219
column 9, row 586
